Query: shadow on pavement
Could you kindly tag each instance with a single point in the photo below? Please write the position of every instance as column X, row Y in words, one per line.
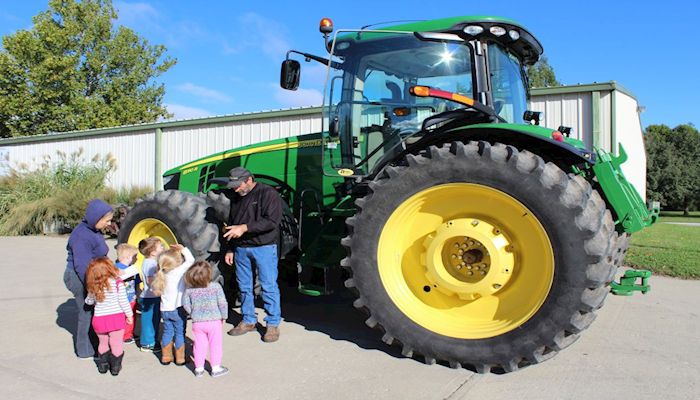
column 67, row 317
column 333, row 315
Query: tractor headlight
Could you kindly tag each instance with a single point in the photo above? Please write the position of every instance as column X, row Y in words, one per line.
column 515, row 35
column 497, row 30
column 473, row 30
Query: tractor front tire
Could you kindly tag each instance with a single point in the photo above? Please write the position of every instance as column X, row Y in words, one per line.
column 175, row 217
column 479, row 255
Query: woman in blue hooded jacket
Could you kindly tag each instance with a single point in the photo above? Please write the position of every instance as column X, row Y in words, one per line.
column 86, row 243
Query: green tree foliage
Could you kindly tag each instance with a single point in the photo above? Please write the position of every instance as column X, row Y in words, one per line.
column 74, row 70
column 673, row 172
column 541, row 74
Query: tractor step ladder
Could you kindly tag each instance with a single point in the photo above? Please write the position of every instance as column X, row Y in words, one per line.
column 628, row 284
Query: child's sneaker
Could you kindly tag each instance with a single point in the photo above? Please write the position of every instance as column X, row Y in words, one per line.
column 129, row 341
column 198, row 373
column 147, row 348
column 151, row 348
column 219, row 372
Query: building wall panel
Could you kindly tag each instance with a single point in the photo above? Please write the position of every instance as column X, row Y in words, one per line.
column 134, row 148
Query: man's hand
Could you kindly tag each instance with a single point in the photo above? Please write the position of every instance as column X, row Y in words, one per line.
column 228, row 258
column 235, row 231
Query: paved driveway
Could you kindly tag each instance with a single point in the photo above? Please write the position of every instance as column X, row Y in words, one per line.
column 641, row 347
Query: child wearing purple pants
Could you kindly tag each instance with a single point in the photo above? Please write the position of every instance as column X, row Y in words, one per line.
column 205, row 302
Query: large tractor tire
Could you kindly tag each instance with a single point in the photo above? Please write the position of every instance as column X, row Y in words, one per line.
column 622, row 244
column 175, row 217
column 479, row 255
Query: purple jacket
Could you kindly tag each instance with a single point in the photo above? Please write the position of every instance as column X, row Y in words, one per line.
column 86, row 242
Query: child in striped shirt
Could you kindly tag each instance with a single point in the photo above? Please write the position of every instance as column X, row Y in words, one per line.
column 204, row 300
column 112, row 312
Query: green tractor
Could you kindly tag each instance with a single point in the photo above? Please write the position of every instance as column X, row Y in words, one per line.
column 470, row 235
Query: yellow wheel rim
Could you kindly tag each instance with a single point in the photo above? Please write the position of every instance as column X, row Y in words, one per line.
column 150, row 227
column 465, row 260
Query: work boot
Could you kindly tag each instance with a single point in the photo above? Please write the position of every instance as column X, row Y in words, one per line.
column 272, row 334
column 180, row 355
column 103, row 362
column 167, row 354
column 115, row 364
column 241, row 328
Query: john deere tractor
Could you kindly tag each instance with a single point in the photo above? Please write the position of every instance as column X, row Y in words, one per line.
column 469, row 234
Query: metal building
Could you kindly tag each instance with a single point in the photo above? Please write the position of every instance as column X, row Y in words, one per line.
column 600, row 114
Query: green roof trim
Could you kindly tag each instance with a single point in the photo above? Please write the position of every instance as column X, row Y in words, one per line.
column 162, row 125
column 445, row 23
column 588, row 87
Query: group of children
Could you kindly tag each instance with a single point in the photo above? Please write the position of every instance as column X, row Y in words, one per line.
column 174, row 286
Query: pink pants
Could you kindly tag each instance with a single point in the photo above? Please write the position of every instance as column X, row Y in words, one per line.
column 111, row 340
column 207, row 334
column 129, row 331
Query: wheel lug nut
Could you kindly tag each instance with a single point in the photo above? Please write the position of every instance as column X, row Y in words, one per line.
column 470, row 273
column 469, row 267
column 456, row 245
column 496, row 286
column 471, row 243
column 475, row 222
column 483, row 272
column 460, row 252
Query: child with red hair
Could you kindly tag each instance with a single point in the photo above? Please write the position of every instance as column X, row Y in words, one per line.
column 112, row 312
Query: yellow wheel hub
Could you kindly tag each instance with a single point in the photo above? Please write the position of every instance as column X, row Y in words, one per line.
column 150, row 227
column 461, row 265
column 465, row 260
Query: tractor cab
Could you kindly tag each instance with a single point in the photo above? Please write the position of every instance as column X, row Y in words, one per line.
column 388, row 88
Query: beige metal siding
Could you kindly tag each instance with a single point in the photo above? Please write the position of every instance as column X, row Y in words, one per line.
column 605, row 115
column 570, row 109
column 133, row 153
column 181, row 145
column 185, row 141
column 627, row 132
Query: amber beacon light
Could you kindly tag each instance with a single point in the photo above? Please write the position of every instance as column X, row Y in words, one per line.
column 325, row 26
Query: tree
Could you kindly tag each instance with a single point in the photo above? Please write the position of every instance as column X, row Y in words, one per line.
column 541, row 74
column 673, row 174
column 74, row 70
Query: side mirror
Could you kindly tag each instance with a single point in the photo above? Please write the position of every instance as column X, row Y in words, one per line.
column 289, row 76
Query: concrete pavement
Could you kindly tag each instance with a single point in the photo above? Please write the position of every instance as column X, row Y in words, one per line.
column 640, row 347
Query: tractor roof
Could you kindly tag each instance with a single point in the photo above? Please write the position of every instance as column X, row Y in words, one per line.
column 526, row 45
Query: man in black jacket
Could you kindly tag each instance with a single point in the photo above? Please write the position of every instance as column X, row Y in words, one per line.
column 253, row 231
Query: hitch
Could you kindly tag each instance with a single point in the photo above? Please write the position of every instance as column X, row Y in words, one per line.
column 628, row 286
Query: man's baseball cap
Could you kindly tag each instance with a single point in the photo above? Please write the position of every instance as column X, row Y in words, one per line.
column 236, row 177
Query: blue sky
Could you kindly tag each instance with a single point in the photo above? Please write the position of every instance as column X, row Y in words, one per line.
column 229, row 52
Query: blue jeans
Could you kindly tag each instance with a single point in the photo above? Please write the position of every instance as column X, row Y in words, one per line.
column 84, row 335
column 174, row 325
column 150, row 320
column 265, row 258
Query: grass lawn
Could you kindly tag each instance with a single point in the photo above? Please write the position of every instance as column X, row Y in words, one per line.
column 668, row 249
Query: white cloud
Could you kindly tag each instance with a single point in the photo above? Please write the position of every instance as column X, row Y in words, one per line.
column 134, row 13
column 257, row 32
column 180, row 111
column 204, row 93
column 299, row 97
